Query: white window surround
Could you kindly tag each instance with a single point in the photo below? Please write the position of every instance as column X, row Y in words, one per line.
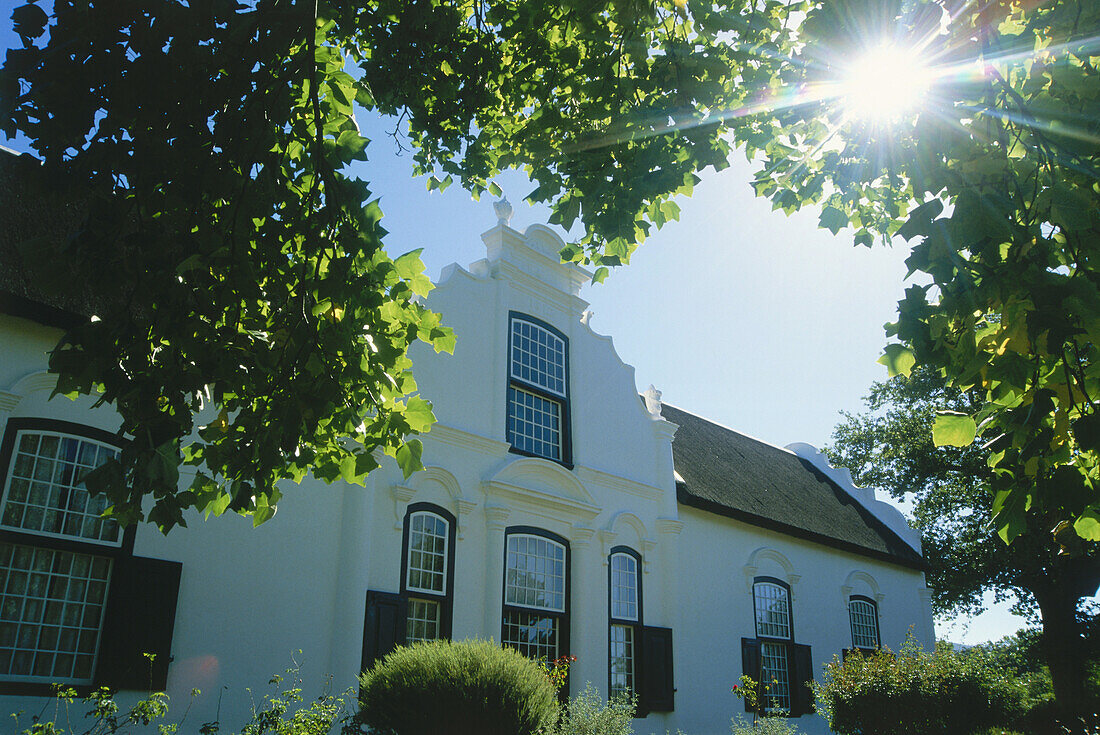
column 426, row 568
column 535, row 610
column 537, row 356
column 773, row 610
column 863, row 614
column 44, row 493
column 624, row 587
column 534, row 573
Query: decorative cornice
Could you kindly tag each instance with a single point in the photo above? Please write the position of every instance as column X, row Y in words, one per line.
column 669, row 526
column 41, row 380
column 464, row 507
column 581, row 536
column 401, row 496
column 466, row 440
column 591, row 476
column 537, row 499
column 8, row 401
column 496, row 516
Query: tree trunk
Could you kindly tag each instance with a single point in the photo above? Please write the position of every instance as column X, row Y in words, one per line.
column 1063, row 648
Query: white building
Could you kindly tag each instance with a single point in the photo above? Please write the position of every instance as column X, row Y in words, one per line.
column 559, row 513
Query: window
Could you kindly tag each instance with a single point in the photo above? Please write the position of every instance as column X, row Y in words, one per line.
column 773, row 627
column 52, row 609
column 536, row 593
column 625, row 618
column 428, row 572
column 74, row 602
column 772, row 658
column 864, row 616
column 538, row 399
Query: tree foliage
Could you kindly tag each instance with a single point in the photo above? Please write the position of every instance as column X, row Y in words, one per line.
column 994, row 184
column 256, row 329
column 950, row 488
column 253, row 291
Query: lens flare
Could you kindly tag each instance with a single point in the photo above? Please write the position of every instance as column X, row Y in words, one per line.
column 885, row 82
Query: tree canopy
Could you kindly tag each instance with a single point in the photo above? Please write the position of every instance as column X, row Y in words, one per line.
column 256, row 307
column 890, row 447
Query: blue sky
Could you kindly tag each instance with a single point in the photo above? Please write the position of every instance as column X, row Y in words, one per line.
column 761, row 322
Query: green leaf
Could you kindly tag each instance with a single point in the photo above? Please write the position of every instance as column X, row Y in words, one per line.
column 832, row 219
column 418, row 413
column 1087, row 525
column 953, row 430
column 898, row 359
column 408, row 457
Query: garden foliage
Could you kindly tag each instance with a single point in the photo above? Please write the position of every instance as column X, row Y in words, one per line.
column 472, row 687
column 916, row 692
column 588, row 714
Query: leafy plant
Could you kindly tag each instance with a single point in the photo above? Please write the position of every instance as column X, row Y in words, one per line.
column 471, row 687
column 916, row 692
column 951, row 489
column 767, row 725
column 587, row 714
column 279, row 713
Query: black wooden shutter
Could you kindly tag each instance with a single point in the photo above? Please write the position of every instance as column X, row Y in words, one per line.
column 802, row 671
column 656, row 692
column 750, row 663
column 140, row 616
column 383, row 625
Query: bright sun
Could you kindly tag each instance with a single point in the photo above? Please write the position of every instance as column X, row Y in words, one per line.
column 885, row 82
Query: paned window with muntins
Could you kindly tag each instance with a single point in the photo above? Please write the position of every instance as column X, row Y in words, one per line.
column 538, row 357
column 624, row 587
column 535, row 573
column 537, row 390
column 45, row 494
column 427, row 562
column 864, row 624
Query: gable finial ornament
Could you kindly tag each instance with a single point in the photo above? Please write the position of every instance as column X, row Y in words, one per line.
column 587, row 316
column 653, row 401
column 504, row 211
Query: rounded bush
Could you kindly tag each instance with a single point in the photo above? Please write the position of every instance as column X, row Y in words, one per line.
column 457, row 688
column 916, row 693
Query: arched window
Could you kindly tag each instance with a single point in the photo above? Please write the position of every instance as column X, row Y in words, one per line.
column 772, row 602
column 427, row 575
column 863, row 612
column 538, row 390
column 625, row 615
column 535, row 619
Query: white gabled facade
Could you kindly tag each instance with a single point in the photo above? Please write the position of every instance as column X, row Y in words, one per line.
column 248, row 600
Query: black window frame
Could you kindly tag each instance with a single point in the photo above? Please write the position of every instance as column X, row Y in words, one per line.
column 566, row 459
column 798, row 657
column 635, row 625
column 762, row 638
column 851, row 623
column 138, row 586
column 562, row 617
column 446, row 600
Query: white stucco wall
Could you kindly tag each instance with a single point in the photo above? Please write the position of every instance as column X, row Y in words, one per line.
column 250, row 599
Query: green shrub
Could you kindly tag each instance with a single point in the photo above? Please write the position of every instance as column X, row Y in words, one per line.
column 456, row 688
column 587, row 714
column 917, row 692
column 762, row 726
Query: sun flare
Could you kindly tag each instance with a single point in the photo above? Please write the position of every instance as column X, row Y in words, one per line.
column 884, row 82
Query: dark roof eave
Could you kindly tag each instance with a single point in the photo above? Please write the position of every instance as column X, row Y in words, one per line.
column 684, row 497
column 36, row 311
